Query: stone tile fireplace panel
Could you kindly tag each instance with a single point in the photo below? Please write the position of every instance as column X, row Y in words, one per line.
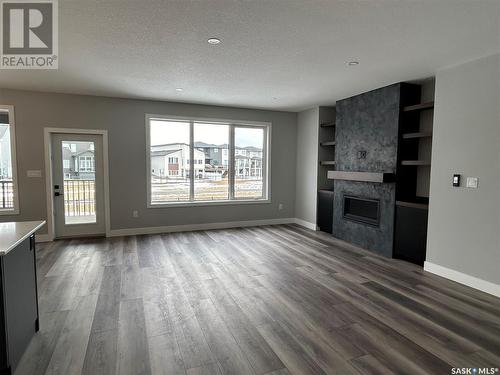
column 378, row 239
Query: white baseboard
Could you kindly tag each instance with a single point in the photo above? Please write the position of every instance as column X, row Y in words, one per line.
column 306, row 224
column 462, row 278
column 193, row 227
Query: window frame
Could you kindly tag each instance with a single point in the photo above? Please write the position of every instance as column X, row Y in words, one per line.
column 266, row 161
column 12, row 129
column 84, row 159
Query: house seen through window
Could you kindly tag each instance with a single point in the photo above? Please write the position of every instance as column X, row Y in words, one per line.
column 200, row 161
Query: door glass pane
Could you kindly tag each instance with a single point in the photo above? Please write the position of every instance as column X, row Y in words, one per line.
column 211, row 160
column 6, row 181
column 248, row 162
column 79, row 182
column 169, row 161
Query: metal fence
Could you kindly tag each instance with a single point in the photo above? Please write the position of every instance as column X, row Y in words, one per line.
column 6, row 194
column 79, row 197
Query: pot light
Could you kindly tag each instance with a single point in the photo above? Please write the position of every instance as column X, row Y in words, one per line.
column 213, row 41
column 179, row 89
column 353, row 63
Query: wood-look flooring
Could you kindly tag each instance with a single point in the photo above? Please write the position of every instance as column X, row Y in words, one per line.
column 274, row 300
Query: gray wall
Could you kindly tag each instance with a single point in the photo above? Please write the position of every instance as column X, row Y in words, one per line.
column 307, row 165
column 124, row 119
column 464, row 224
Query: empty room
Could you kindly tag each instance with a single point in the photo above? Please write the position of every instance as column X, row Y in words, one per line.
column 258, row 187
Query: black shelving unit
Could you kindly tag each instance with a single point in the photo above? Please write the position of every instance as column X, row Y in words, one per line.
column 418, row 107
column 325, row 210
column 326, row 163
column 417, row 135
column 327, row 143
column 327, row 125
column 415, row 163
column 411, row 209
column 327, row 149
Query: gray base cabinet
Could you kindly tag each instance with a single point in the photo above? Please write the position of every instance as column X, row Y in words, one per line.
column 19, row 303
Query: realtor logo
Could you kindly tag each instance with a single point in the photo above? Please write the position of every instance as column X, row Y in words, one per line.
column 29, row 34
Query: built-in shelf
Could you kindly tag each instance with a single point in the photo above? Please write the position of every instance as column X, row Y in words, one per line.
column 328, row 162
column 327, row 191
column 415, row 162
column 361, row 176
column 327, row 125
column 422, row 206
column 327, row 143
column 417, row 135
column 419, row 107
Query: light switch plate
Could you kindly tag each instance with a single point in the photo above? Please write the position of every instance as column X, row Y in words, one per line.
column 472, row 182
column 34, row 173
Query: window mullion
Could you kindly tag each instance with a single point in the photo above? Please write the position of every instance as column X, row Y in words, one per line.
column 264, row 166
column 191, row 161
column 231, row 162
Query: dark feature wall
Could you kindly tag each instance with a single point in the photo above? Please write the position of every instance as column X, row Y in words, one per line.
column 368, row 122
column 366, row 138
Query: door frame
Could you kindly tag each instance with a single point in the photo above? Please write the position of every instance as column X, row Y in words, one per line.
column 49, row 187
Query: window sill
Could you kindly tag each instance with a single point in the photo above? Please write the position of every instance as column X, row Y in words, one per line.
column 9, row 212
column 209, row 203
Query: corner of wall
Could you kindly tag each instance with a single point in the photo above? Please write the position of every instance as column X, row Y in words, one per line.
column 306, row 165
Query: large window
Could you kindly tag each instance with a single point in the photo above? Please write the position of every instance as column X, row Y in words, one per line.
column 194, row 161
column 8, row 180
column 248, row 161
column 211, row 178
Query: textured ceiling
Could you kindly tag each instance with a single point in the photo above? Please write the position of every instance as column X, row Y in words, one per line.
column 276, row 54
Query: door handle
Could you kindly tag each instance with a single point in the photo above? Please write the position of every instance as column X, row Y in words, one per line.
column 57, row 194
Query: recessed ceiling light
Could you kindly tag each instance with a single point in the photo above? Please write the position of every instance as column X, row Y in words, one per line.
column 179, row 89
column 353, row 63
column 213, row 41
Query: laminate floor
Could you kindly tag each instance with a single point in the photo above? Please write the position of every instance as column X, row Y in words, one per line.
column 267, row 300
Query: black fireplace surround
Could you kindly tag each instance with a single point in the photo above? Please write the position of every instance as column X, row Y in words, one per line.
column 362, row 210
column 369, row 123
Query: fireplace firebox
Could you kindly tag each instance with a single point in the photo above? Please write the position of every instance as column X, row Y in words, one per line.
column 362, row 210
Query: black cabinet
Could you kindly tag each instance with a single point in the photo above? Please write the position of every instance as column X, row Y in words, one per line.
column 411, row 232
column 19, row 303
column 325, row 210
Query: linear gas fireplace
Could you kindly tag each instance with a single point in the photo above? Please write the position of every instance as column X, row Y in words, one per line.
column 362, row 210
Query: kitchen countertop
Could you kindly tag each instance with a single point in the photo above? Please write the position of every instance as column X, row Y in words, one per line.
column 13, row 233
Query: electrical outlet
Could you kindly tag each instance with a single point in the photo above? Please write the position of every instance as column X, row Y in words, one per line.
column 472, row 182
column 280, row 206
column 135, row 213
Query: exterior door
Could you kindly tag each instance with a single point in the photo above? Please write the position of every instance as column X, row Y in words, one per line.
column 78, row 185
